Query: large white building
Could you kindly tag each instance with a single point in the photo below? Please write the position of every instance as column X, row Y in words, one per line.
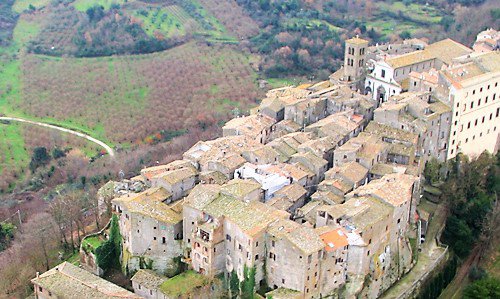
column 389, row 76
column 472, row 90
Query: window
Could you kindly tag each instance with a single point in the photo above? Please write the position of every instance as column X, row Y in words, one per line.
column 475, row 123
column 468, row 125
column 479, row 102
column 471, row 104
column 368, row 253
column 154, row 238
column 273, row 243
column 256, row 257
column 483, row 120
column 257, row 244
column 228, row 237
column 486, row 100
column 283, row 280
column 383, row 74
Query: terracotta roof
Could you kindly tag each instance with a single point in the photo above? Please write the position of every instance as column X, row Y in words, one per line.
column 338, row 184
column 251, row 217
column 445, row 50
column 394, row 189
column 150, row 203
column 230, row 161
column 352, row 171
column 150, row 172
column 385, row 131
column 359, row 212
column 292, row 192
column 335, row 239
column 148, row 279
column 68, row 281
column 216, row 176
column 327, row 197
column 251, row 125
column 240, row 188
column 303, row 238
column 201, row 195
column 176, row 176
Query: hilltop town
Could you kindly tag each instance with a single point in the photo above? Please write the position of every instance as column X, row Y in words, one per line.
column 314, row 194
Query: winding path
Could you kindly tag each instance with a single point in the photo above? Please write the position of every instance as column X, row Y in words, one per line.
column 108, row 149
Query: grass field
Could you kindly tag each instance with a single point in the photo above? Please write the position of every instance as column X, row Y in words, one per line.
column 14, row 155
column 184, row 284
column 396, row 17
column 83, row 5
column 22, row 5
column 417, row 12
column 169, row 21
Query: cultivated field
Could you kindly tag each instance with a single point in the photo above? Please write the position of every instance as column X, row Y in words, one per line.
column 127, row 98
column 232, row 17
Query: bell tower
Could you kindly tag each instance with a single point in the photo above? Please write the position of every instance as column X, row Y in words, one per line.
column 355, row 59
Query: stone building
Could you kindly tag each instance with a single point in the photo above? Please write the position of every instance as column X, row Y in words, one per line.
column 68, row 281
column 146, row 283
column 151, row 230
column 177, row 182
column 472, row 91
column 256, row 126
column 429, row 119
column 389, row 75
column 293, row 257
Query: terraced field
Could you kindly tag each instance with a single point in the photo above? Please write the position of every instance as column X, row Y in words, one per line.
column 125, row 99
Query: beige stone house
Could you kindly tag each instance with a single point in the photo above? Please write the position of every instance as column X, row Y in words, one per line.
column 289, row 198
column 256, row 126
column 68, row 281
column 313, row 163
column 148, row 173
column 365, row 149
column 293, row 257
column 228, row 234
column 177, row 182
column 352, row 173
column 151, row 230
column 146, row 283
